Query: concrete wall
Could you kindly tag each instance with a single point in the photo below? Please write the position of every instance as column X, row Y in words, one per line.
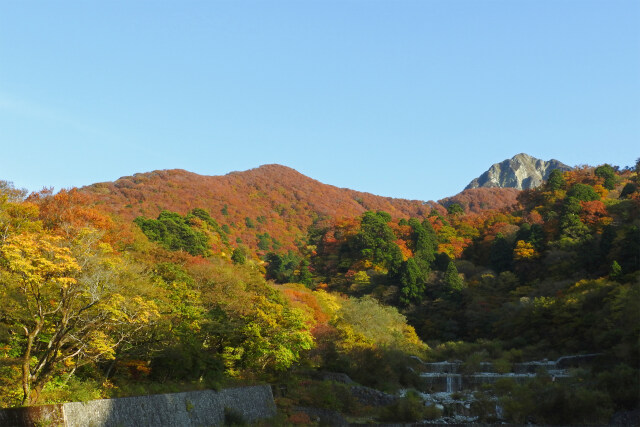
column 190, row 409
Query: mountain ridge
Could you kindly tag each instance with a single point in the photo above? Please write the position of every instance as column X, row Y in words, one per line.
column 272, row 199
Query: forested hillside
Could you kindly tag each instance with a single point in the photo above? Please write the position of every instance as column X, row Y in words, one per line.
column 273, row 201
column 174, row 281
column 476, row 200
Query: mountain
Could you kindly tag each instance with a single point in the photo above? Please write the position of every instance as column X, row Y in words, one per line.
column 271, row 199
column 521, row 172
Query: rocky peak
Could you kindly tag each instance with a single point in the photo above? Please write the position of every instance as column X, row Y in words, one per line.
column 522, row 171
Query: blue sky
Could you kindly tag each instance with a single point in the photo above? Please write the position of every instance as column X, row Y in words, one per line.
column 408, row 99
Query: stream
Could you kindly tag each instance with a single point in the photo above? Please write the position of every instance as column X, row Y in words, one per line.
column 450, row 385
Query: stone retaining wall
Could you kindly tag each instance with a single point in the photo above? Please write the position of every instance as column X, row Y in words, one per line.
column 189, row 409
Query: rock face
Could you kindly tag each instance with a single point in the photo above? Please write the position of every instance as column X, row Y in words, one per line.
column 521, row 171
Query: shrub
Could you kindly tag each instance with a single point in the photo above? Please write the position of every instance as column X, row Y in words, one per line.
column 299, row 418
column 409, row 408
column 233, row 417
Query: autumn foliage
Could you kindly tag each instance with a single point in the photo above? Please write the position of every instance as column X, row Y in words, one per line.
column 172, row 278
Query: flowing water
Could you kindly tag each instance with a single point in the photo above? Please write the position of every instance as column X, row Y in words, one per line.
column 449, row 385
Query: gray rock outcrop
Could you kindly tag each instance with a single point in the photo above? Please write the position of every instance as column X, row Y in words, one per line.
column 521, row 171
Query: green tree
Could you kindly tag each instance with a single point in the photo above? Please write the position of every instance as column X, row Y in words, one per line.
column 607, row 173
column 452, row 278
column 239, row 255
column 501, row 255
column 628, row 189
column 533, row 234
column 376, row 241
column 264, row 241
column 455, row 209
column 424, row 243
column 287, row 268
column 583, row 192
column 616, row 271
column 412, row 282
column 556, row 180
column 573, row 230
column 173, row 231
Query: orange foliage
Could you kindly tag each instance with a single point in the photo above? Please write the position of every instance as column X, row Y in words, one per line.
column 455, row 247
column 406, row 252
column 581, row 174
column 68, row 211
column 594, row 213
column 137, row 369
column 475, row 200
column 533, row 217
column 305, row 299
column 69, row 208
column 286, row 201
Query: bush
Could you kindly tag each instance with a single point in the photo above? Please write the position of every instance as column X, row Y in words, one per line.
column 622, row 384
column 325, row 395
column 502, row 366
column 545, row 402
column 473, row 362
column 409, row 408
column 484, row 407
column 233, row 417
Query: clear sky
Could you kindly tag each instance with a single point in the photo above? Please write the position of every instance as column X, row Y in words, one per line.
column 408, row 99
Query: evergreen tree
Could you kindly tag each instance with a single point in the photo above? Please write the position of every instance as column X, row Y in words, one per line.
column 501, row 255
column 608, row 174
column 412, row 282
column 556, row 180
column 376, row 241
column 452, row 278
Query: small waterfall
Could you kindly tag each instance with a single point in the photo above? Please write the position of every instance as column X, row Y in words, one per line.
column 454, row 383
column 499, row 412
column 449, row 387
column 446, row 376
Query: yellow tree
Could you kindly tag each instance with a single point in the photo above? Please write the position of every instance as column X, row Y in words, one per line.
column 524, row 250
column 67, row 299
column 37, row 269
column 15, row 215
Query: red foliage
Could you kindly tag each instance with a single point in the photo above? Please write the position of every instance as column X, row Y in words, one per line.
column 286, row 201
column 476, row 200
column 594, row 213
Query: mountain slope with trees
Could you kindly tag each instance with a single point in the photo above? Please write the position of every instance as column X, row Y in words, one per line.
column 271, row 204
column 102, row 299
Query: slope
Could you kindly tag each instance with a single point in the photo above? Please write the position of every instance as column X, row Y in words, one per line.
column 272, row 199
